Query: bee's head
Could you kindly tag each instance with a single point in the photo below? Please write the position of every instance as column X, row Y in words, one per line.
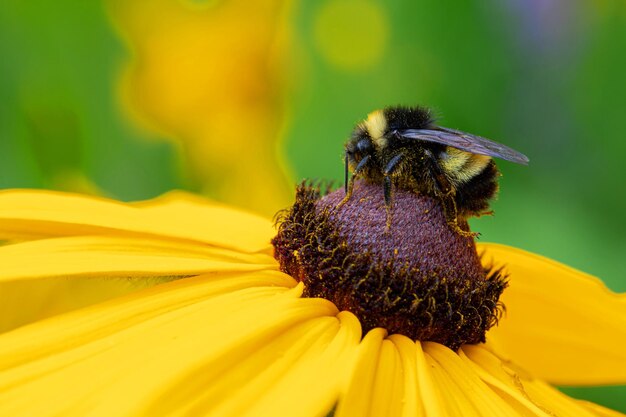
column 359, row 145
column 381, row 126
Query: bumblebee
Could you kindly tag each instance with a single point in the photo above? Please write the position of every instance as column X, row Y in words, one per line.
column 403, row 147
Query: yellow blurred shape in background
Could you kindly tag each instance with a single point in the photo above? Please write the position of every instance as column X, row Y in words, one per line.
column 351, row 34
column 211, row 77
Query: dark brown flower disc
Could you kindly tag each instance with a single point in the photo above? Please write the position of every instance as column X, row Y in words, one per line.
column 416, row 277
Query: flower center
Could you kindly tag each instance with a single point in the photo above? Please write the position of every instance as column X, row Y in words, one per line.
column 418, row 277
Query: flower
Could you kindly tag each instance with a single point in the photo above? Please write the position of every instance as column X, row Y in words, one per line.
column 212, row 78
column 235, row 337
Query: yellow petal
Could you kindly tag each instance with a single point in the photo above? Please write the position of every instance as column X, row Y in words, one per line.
column 164, row 361
column 412, row 404
column 358, row 399
column 599, row 410
column 456, row 403
column 562, row 325
column 109, row 256
column 432, row 399
column 388, row 388
column 553, row 399
column 79, row 327
column 35, row 214
column 304, row 381
column 529, row 396
column 470, row 386
column 23, row 302
column 502, row 380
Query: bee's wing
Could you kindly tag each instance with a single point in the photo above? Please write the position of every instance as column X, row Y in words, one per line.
column 465, row 142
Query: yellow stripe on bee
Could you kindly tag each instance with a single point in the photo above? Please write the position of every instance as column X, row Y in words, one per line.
column 454, row 159
column 376, row 125
column 463, row 166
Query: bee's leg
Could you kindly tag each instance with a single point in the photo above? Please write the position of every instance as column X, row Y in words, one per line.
column 452, row 217
column 350, row 183
column 387, row 191
column 391, row 167
column 446, row 194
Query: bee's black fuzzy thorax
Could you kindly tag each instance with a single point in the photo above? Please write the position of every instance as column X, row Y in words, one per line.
column 401, row 117
column 419, row 278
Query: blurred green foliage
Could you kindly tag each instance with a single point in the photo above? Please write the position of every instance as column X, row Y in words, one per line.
column 546, row 78
column 59, row 118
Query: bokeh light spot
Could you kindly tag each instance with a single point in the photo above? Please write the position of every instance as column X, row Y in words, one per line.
column 351, row 34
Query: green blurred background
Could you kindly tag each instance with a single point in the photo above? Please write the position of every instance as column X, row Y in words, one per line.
column 240, row 100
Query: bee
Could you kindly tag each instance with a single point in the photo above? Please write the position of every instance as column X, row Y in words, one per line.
column 403, row 147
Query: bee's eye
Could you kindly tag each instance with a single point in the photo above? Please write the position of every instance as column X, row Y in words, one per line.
column 364, row 146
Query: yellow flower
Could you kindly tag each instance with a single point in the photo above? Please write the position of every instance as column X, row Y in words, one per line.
column 211, row 76
column 235, row 337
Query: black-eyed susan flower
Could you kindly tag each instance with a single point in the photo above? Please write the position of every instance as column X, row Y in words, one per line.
column 235, row 336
